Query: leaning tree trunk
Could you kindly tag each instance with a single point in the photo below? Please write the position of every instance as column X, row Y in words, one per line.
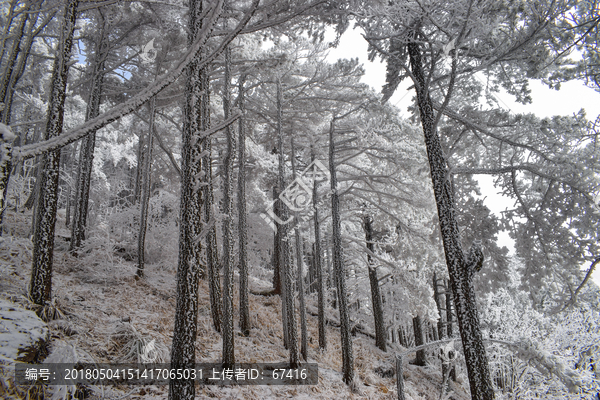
column 18, row 70
column 86, row 151
column 460, row 269
column 145, row 194
column 183, row 350
column 45, row 222
column 228, row 242
column 338, row 267
column 375, row 295
column 300, row 278
column 13, row 53
column 318, row 267
column 10, row 75
column 242, row 224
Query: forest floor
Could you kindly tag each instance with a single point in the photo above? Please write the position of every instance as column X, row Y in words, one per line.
column 105, row 313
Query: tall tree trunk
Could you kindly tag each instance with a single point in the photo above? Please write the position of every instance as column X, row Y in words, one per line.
column 145, row 194
column 276, row 246
column 459, row 268
column 375, row 296
column 242, row 224
column 183, row 351
column 228, row 242
column 300, row 276
column 338, row 267
column 212, row 251
column 40, row 287
column 318, row 266
column 288, row 308
column 86, row 151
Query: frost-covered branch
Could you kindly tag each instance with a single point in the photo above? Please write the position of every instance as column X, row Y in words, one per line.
column 145, row 95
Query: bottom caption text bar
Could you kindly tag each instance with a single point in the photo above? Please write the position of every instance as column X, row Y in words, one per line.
column 161, row 374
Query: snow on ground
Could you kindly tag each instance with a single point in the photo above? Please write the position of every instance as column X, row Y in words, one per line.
column 107, row 313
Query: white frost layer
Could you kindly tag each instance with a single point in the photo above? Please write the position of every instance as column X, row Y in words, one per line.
column 6, row 134
column 20, row 331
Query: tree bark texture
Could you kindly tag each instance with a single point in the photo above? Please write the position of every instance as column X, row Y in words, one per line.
column 375, row 295
column 145, row 194
column 242, row 224
column 183, row 350
column 318, row 262
column 419, row 341
column 212, row 252
column 460, row 279
column 86, row 151
column 45, row 222
column 276, row 246
column 300, row 276
column 338, row 267
column 228, row 242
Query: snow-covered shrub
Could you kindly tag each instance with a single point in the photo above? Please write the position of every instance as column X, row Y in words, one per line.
column 549, row 357
column 132, row 345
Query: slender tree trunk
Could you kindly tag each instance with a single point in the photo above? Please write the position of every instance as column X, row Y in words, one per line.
column 319, row 267
column 45, row 222
column 338, row 267
column 86, row 151
column 183, row 351
column 242, row 224
column 458, row 268
column 300, row 278
column 449, row 319
column 9, row 20
column 276, row 246
column 69, row 196
column 439, row 302
column 145, row 194
column 228, row 242
column 375, row 296
column 284, row 254
column 212, row 252
column 13, row 53
column 23, row 56
column 6, row 96
column 139, row 170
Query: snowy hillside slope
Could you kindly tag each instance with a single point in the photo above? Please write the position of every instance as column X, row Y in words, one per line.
column 107, row 315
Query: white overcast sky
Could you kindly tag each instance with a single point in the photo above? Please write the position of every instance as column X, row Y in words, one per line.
column 572, row 97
